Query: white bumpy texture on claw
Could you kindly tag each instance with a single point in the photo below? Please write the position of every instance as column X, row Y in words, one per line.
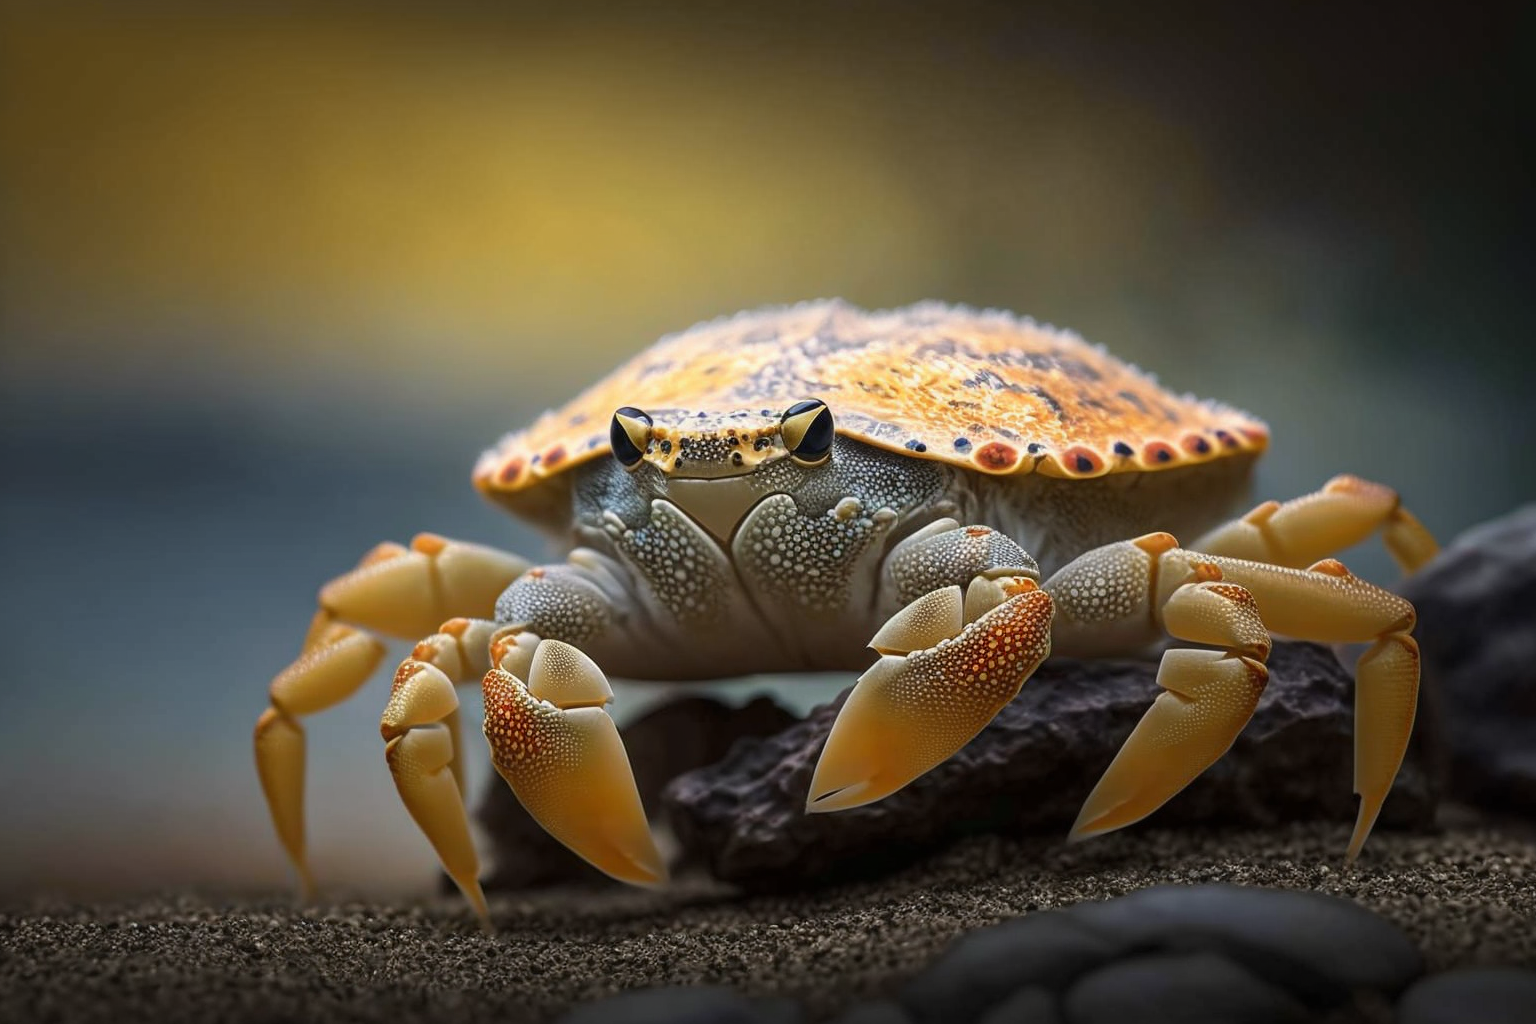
column 919, row 704
column 554, row 744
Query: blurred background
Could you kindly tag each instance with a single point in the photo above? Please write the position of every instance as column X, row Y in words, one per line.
column 270, row 281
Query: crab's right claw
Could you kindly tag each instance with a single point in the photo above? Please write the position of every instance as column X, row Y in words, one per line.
column 560, row 752
column 949, row 664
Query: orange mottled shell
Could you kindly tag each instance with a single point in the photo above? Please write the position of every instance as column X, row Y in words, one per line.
column 984, row 390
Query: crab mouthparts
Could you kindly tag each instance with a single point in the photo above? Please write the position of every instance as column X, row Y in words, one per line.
column 716, row 505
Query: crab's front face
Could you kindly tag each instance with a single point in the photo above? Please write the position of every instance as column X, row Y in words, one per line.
column 714, row 446
column 713, row 465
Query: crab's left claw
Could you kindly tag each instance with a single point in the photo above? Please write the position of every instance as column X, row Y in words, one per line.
column 560, row 752
column 949, row 663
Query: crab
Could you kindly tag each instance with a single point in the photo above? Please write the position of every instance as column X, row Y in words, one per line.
column 963, row 492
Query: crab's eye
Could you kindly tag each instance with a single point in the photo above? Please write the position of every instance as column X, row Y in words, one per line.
column 807, row 432
column 630, row 434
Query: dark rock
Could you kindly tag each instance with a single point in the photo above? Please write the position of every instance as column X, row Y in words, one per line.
column 981, row 969
column 1477, row 631
column 1318, row 947
column 708, row 1004
column 1030, row 770
column 1179, row 988
column 674, row 738
column 882, row 1012
column 1026, row 1006
column 1487, row 995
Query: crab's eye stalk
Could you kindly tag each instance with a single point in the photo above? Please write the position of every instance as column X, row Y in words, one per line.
column 630, row 435
column 807, row 432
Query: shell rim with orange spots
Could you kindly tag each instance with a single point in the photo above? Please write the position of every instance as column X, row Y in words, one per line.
column 981, row 389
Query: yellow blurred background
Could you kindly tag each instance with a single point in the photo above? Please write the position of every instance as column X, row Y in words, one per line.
column 269, row 280
column 348, row 189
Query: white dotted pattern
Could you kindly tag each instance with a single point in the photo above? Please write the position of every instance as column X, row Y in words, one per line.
column 800, row 560
column 957, row 686
column 682, row 564
column 1106, row 584
column 531, row 743
column 555, row 601
column 953, row 557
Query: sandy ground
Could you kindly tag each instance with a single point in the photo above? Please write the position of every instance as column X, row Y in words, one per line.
column 1466, row 896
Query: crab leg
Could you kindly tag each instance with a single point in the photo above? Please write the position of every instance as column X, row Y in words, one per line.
column 394, row 590
column 1327, row 603
column 554, row 744
column 1208, row 696
column 1110, row 596
column 1346, row 511
column 420, row 727
column 337, row 660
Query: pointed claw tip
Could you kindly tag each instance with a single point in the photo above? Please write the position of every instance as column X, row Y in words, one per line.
column 1352, row 854
column 1089, row 826
column 1082, row 833
column 651, row 880
column 837, row 798
column 476, row 897
column 646, row 872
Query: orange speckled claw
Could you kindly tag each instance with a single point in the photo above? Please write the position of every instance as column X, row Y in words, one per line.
column 560, row 752
column 912, row 710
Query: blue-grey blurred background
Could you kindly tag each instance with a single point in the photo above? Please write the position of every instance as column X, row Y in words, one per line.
column 270, row 281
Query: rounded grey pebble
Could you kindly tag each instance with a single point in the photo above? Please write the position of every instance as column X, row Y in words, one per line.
column 1299, row 940
column 1474, row 601
column 709, row 1004
column 1484, row 995
column 1179, row 988
column 979, row 970
column 1026, row 1006
column 882, row 1012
